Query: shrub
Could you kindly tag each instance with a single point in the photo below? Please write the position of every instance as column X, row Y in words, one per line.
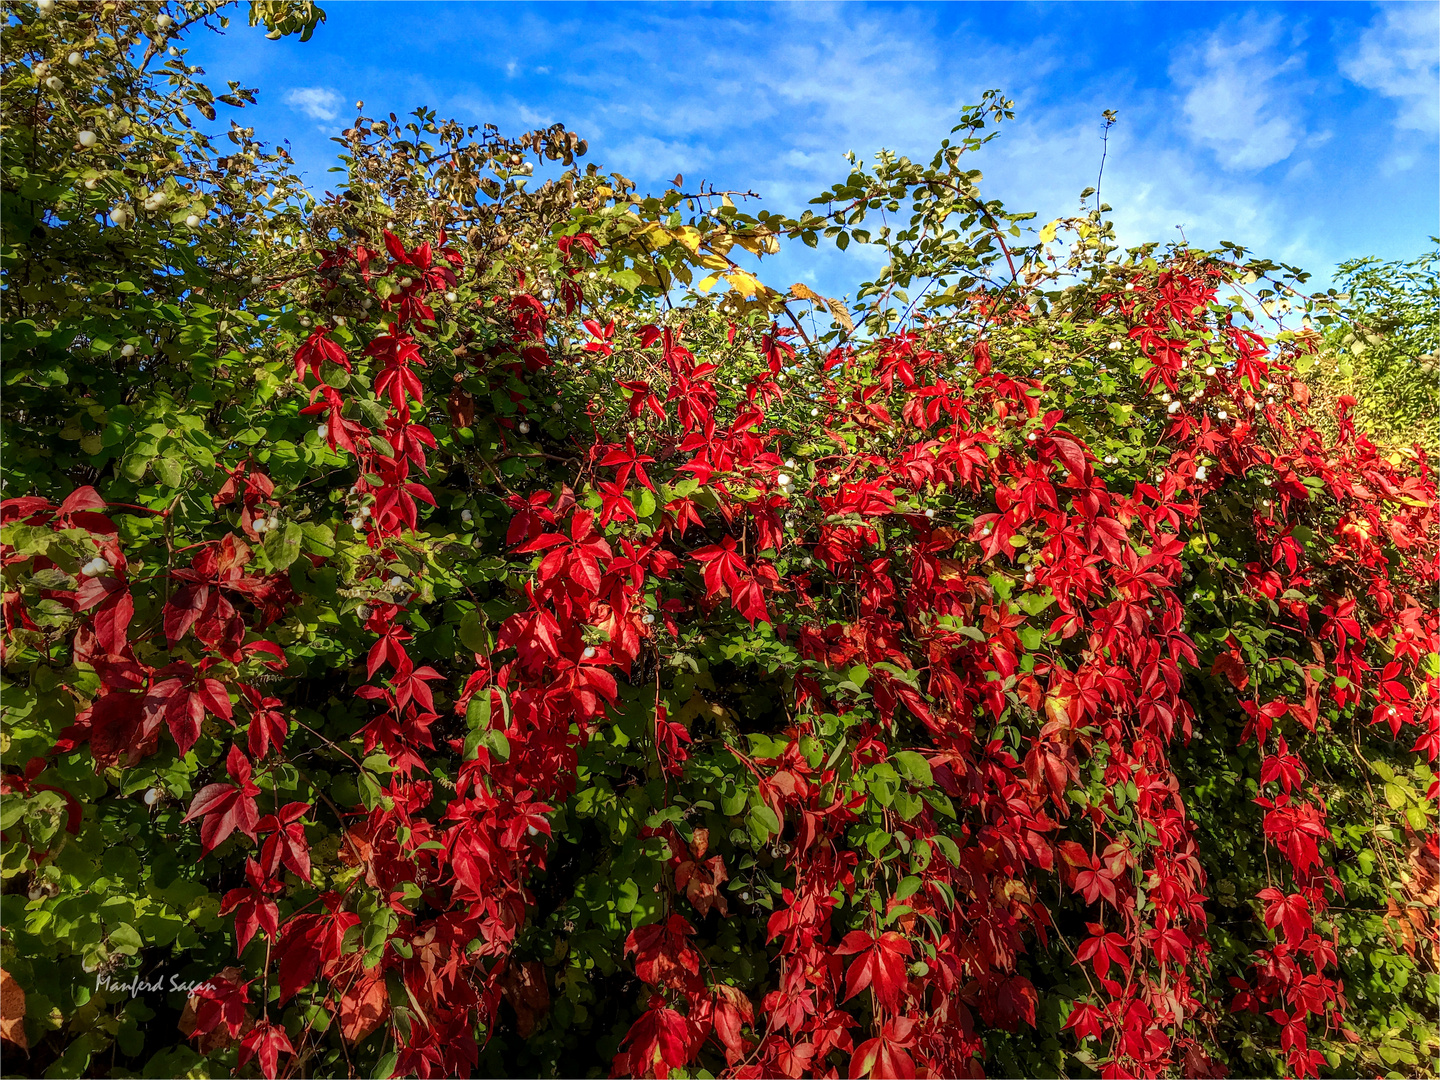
column 458, row 640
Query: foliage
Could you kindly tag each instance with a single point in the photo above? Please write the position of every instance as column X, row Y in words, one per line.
column 1382, row 345
column 469, row 633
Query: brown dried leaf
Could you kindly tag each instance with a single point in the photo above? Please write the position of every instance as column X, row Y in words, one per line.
column 12, row 1011
column 841, row 315
column 524, row 987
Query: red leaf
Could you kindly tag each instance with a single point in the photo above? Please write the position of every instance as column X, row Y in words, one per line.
column 1015, row 1001
column 363, row 1005
column 880, row 964
column 265, row 1042
column 663, row 956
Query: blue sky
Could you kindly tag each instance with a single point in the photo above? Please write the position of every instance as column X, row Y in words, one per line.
column 1307, row 132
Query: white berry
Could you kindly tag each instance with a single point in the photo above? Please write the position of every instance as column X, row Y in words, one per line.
column 524, row 427
column 589, row 653
column 192, row 221
column 127, row 350
column 74, row 59
column 95, row 567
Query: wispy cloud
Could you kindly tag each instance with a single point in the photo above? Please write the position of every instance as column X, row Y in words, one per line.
column 316, row 102
column 1240, row 90
column 1396, row 56
column 1225, row 111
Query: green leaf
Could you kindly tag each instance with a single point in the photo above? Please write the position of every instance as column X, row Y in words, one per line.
column 876, row 841
column 734, row 802
column 126, row 940
column 319, row 539
column 914, row 767
column 643, row 502
column 282, row 545
column 170, row 470
column 907, row 805
column 763, row 818
column 948, row 846
column 473, row 636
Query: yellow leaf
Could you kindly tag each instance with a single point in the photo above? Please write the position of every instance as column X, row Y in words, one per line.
column 720, row 242
column 707, row 282
column 1048, row 232
column 690, row 237
column 804, row 292
column 745, row 284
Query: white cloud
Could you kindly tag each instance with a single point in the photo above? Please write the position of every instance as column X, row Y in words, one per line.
column 1241, row 92
column 1397, row 56
column 316, row 102
column 767, row 99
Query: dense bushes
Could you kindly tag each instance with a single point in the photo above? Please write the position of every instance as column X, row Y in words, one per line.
column 472, row 625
